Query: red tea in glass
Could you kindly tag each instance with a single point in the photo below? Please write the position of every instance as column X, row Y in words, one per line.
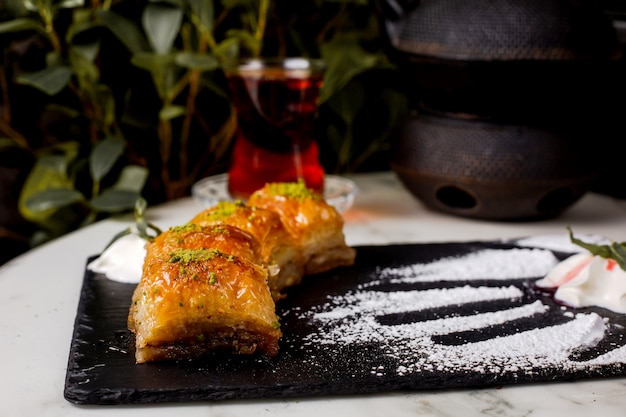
column 276, row 104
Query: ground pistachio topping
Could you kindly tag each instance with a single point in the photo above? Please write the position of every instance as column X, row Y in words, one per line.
column 219, row 230
column 295, row 190
column 186, row 256
column 189, row 227
column 224, row 209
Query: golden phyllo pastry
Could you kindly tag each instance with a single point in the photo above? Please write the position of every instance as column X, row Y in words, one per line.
column 277, row 248
column 202, row 290
column 315, row 226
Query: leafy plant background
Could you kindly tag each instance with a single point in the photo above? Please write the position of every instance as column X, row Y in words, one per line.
column 106, row 101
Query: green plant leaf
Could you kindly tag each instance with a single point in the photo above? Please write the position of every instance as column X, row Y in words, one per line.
column 53, row 199
column 22, row 24
column 161, row 24
column 86, row 71
column 69, row 150
column 65, row 110
column 88, row 51
column 227, row 50
column 619, row 254
column 146, row 229
column 151, row 62
column 124, row 29
column 203, row 11
column 132, row 178
column 172, row 112
column 49, row 172
column 104, row 155
column 50, row 80
column 114, row 200
column 162, row 69
column 345, row 60
column 615, row 251
column 195, row 61
column 603, row 251
column 246, row 39
column 83, row 26
column 34, row 5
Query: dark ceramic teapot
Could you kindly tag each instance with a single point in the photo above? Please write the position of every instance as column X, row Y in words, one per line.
column 510, row 100
column 504, row 30
column 510, row 59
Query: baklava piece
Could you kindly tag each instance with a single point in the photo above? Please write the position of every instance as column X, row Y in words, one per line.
column 277, row 248
column 315, row 226
column 202, row 290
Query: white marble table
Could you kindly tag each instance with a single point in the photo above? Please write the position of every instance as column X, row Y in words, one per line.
column 39, row 294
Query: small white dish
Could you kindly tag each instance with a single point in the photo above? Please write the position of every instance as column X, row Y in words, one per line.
column 338, row 191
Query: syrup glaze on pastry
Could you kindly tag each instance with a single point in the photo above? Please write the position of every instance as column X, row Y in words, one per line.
column 315, row 226
column 277, row 248
column 201, row 292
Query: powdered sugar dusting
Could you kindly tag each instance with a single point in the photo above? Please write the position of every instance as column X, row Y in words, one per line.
column 530, row 350
column 365, row 328
column 611, row 357
column 489, row 327
column 495, row 264
column 372, row 302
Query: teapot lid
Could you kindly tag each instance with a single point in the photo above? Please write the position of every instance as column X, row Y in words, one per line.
column 507, row 30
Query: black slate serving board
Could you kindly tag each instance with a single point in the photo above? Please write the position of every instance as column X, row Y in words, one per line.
column 101, row 367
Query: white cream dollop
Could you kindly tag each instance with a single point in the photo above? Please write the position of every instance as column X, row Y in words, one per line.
column 584, row 280
column 123, row 260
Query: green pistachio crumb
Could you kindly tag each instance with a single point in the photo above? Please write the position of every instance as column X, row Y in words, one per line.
column 189, row 227
column 186, row 256
column 224, row 209
column 220, row 230
column 294, row 190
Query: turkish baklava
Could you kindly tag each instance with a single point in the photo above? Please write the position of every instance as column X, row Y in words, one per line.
column 203, row 289
column 277, row 248
column 315, row 226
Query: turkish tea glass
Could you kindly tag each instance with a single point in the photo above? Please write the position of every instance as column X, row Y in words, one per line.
column 276, row 105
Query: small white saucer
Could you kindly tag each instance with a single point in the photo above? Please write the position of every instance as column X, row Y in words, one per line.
column 338, row 191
